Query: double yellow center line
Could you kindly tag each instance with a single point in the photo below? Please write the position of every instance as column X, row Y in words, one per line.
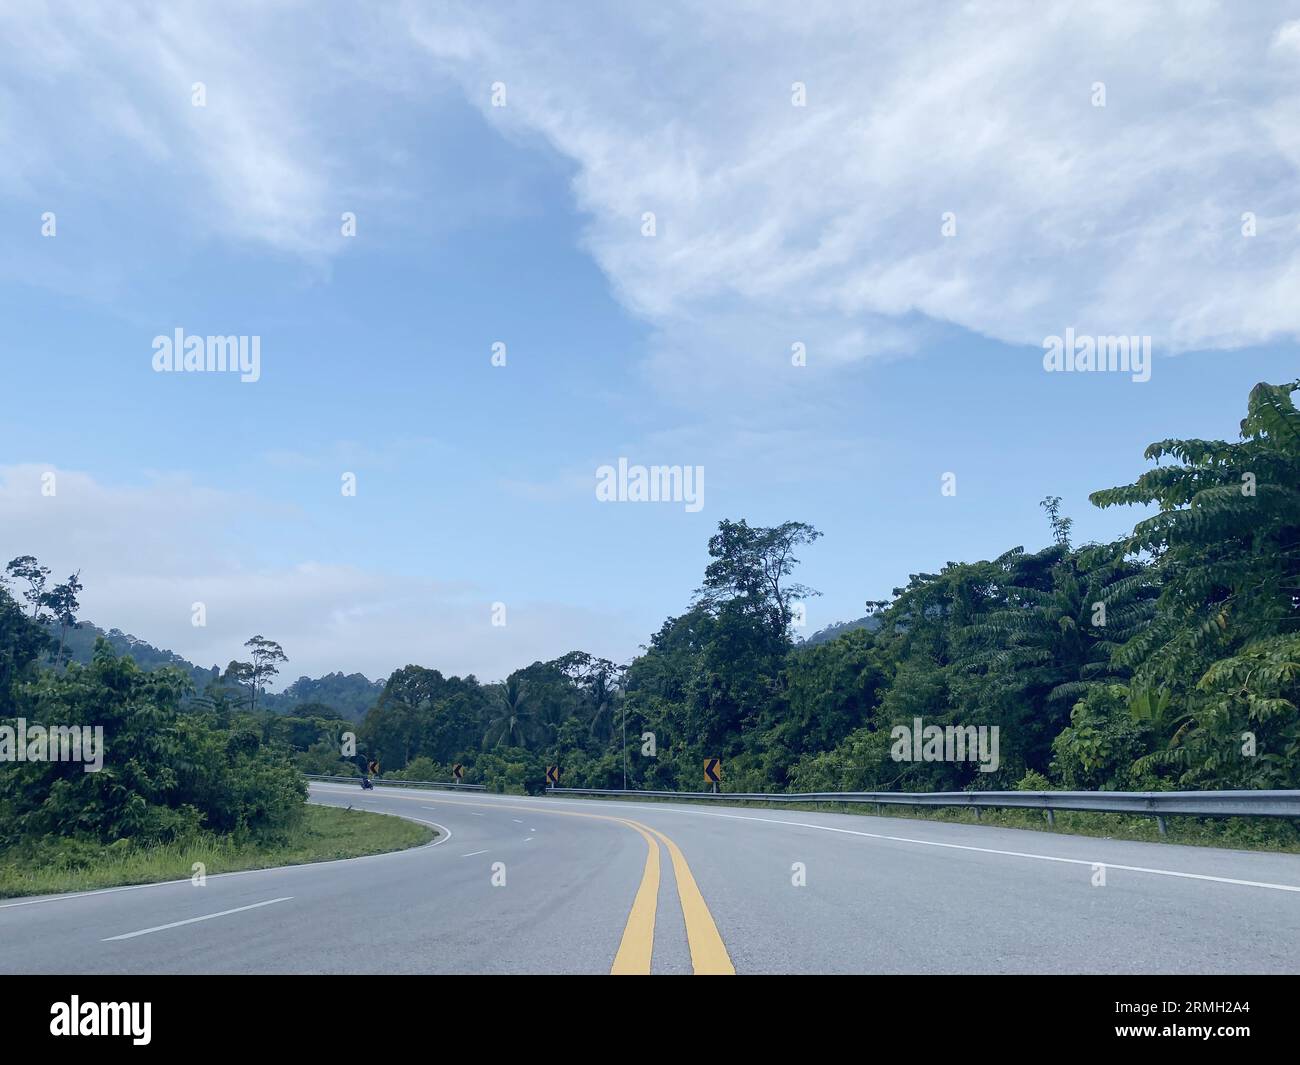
column 636, row 950
column 708, row 953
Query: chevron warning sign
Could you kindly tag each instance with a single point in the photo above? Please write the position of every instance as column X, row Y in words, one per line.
column 458, row 771
column 553, row 775
column 713, row 770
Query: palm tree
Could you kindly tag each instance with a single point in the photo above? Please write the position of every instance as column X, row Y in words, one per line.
column 511, row 724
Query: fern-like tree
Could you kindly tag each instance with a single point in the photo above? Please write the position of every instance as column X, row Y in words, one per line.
column 1217, row 668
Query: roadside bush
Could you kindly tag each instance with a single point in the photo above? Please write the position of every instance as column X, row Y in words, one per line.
column 165, row 776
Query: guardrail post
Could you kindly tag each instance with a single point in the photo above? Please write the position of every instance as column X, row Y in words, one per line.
column 1051, row 818
column 880, row 809
column 977, row 813
column 1164, row 828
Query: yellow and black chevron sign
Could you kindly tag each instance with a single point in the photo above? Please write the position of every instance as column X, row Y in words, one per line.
column 553, row 775
column 713, row 770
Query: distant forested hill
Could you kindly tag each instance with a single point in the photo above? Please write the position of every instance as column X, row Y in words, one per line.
column 350, row 695
column 871, row 623
column 81, row 647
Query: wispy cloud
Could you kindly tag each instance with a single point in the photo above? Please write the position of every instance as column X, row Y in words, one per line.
column 825, row 218
column 1127, row 217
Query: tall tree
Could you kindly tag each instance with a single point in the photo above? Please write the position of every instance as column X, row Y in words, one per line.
column 598, row 681
column 64, row 604
column 509, row 726
column 26, row 568
column 266, row 655
column 750, row 567
column 1218, row 666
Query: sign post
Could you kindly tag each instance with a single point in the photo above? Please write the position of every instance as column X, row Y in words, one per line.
column 713, row 772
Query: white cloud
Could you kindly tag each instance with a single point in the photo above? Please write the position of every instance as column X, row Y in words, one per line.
column 107, row 90
column 147, row 552
column 775, row 223
column 1287, row 37
column 1123, row 218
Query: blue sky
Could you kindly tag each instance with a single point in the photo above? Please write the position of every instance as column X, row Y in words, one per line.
column 775, row 225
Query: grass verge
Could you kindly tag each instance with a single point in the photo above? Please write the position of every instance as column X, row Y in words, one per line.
column 54, row 867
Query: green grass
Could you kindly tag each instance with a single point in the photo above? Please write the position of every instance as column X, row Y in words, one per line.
column 326, row 832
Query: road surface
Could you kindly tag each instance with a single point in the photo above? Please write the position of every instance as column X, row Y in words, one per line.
column 555, row 885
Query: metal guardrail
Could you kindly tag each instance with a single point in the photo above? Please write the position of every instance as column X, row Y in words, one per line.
column 398, row 783
column 1157, row 804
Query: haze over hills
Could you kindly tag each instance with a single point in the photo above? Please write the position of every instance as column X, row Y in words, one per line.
column 871, row 623
column 349, row 694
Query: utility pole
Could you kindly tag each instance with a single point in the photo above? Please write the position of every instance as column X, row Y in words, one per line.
column 625, row 745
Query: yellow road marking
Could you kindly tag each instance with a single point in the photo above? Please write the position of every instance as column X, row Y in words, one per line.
column 708, row 953
column 636, row 949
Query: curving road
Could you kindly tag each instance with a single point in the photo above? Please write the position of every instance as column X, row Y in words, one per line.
column 539, row 885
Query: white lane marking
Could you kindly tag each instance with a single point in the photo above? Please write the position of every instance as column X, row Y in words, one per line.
column 529, row 839
column 473, row 854
column 446, row 832
column 516, row 820
column 1024, row 854
column 195, row 920
column 650, row 808
column 435, row 809
column 446, row 835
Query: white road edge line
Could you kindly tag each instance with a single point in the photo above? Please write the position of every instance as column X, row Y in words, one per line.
column 195, row 920
column 245, row 872
column 651, row 808
column 473, row 854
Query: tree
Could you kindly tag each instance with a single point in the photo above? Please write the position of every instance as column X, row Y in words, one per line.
column 240, row 673
column 22, row 641
column 749, row 567
column 166, row 774
column 265, row 655
column 1060, row 526
column 597, row 681
column 422, row 713
column 1217, row 668
column 510, row 723
column 63, row 603
column 26, row 568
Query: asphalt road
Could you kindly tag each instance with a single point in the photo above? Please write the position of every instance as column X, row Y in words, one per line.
column 541, row 885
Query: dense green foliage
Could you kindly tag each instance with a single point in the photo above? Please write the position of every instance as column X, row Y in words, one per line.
column 346, row 695
column 166, row 774
column 1167, row 659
